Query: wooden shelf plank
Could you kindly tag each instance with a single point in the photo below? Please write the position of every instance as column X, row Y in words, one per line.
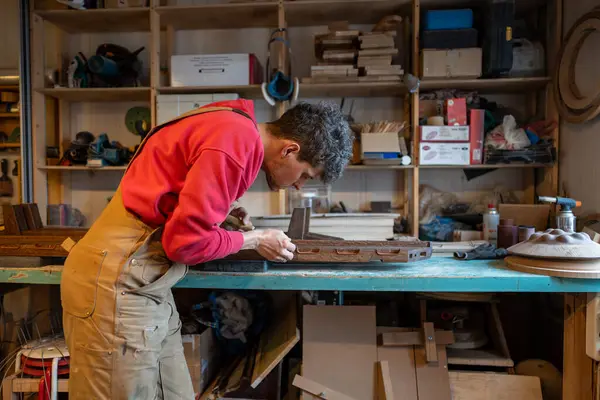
column 486, row 166
column 249, row 92
column 10, row 115
column 307, row 90
column 318, row 12
column 352, row 89
column 80, row 168
column 220, row 16
column 500, row 85
column 98, row 94
column 10, row 145
column 132, row 19
column 377, row 167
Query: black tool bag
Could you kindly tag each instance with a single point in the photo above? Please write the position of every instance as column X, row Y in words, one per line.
column 498, row 34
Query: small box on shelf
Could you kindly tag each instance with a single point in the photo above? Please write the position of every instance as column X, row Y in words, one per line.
column 455, row 63
column 215, row 70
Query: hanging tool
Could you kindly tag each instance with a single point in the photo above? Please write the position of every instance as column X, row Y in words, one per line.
column 6, row 185
column 565, row 219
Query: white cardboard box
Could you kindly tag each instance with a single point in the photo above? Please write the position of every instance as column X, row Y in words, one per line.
column 445, row 133
column 439, row 153
column 213, row 70
column 169, row 106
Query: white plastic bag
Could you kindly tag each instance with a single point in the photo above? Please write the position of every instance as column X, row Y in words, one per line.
column 507, row 136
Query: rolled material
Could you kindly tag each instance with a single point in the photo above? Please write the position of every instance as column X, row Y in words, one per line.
column 525, row 232
column 435, row 121
column 507, row 234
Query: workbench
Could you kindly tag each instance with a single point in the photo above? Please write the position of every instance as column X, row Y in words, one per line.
column 433, row 275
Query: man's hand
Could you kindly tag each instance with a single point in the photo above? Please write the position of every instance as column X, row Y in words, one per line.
column 272, row 244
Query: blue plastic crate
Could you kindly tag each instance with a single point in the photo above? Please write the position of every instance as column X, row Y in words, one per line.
column 448, row 19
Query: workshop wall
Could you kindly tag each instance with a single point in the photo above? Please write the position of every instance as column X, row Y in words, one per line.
column 9, row 34
column 90, row 191
column 580, row 144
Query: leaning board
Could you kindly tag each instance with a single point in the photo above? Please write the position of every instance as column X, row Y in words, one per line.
column 340, row 349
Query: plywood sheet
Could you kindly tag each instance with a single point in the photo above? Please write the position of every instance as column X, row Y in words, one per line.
column 491, row 386
column 433, row 382
column 401, row 361
column 340, row 349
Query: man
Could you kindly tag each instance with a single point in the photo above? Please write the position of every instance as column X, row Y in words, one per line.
column 121, row 324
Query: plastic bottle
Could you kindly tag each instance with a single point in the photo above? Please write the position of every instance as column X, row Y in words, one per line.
column 490, row 225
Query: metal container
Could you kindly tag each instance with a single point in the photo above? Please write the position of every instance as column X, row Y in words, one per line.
column 566, row 221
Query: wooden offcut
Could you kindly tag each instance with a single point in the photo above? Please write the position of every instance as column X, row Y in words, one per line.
column 318, row 390
column 350, row 251
column 414, row 338
column 492, row 386
column 430, row 343
column 384, row 384
column 340, row 349
column 275, row 343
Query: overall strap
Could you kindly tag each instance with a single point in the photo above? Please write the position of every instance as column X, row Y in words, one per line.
column 196, row 111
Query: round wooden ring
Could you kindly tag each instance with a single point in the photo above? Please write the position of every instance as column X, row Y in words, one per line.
column 568, row 87
column 563, row 71
column 560, row 268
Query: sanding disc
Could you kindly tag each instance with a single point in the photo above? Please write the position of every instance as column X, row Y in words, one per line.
column 135, row 114
column 557, row 244
column 588, row 269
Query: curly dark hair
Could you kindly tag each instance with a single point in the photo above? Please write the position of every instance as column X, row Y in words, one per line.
column 323, row 133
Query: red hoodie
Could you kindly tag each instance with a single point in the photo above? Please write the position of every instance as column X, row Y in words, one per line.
column 187, row 176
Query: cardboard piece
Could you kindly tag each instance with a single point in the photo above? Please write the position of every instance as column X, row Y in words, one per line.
column 340, row 349
column 201, row 356
column 430, row 108
column 526, row 214
column 456, row 63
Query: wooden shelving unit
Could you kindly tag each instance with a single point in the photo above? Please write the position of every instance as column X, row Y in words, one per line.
column 500, row 85
column 162, row 22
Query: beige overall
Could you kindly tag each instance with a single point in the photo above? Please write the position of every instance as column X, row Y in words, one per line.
column 121, row 324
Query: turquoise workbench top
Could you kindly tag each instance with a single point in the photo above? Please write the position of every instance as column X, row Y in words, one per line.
column 434, row 275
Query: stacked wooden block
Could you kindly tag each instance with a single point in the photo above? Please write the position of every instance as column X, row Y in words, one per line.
column 346, row 55
column 375, row 57
column 336, row 52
